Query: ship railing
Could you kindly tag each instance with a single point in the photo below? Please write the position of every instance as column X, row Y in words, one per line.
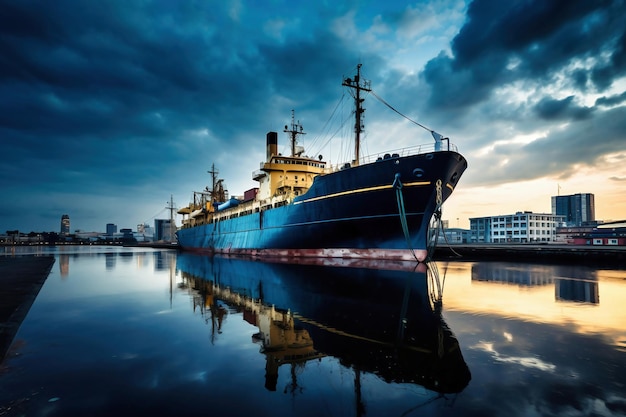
column 400, row 152
column 410, row 150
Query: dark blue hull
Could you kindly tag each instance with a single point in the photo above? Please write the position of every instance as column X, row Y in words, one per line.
column 353, row 212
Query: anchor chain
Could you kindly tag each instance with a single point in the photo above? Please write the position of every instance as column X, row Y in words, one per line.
column 432, row 241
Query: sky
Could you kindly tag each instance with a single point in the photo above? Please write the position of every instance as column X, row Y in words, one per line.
column 109, row 109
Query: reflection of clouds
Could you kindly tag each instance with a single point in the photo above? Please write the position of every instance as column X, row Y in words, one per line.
column 529, row 362
column 616, row 400
column 200, row 376
column 126, row 356
column 619, row 341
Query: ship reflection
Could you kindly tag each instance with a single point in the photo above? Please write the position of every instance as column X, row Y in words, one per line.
column 382, row 321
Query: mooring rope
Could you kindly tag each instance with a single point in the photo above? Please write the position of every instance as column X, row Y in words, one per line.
column 397, row 184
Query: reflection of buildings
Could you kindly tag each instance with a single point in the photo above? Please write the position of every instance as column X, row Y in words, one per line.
column 110, row 259
column 582, row 291
column 507, row 273
column 379, row 321
column 571, row 283
column 64, row 265
column 164, row 260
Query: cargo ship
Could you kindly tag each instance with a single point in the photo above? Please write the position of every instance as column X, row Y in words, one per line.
column 378, row 207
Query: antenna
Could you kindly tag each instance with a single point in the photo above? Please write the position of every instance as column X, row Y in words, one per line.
column 296, row 129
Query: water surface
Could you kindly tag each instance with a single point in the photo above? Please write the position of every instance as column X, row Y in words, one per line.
column 137, row 332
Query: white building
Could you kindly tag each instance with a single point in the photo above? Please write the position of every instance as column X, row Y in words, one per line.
column 521, row 227
column 453, row 236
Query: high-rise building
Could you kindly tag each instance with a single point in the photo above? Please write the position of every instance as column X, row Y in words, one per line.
column 111, row 229
column 65, row 224
column 577, row 209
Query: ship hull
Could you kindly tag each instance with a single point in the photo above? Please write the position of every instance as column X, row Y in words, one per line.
column 355, row 212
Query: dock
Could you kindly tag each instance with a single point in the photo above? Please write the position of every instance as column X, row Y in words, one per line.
column 597, row 256
column 21, row 278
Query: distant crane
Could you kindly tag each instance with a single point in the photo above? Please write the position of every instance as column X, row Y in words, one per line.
column 172, row 208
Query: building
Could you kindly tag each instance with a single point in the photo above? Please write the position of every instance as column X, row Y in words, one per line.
column 144, row 233
column 569, row 234
column 127, row 235
column 609, row 234
column 521, row 227
column 111, row 229
column 453, row 236
column 165, row 230
column 604, row 234
column 577, row 209
column 65, row 224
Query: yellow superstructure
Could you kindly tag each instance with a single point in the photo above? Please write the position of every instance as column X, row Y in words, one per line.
column 287, row 176
column 281, row 179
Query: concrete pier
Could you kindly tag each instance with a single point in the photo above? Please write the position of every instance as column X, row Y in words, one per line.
column 21, row 278
column 597, row 256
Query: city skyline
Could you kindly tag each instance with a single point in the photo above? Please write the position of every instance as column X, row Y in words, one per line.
column 106, row 114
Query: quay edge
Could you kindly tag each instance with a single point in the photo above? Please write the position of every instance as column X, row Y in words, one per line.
column 614, row 256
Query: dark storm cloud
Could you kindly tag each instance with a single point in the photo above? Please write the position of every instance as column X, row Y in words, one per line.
column 551, row 109
column 127, row 71
column 506, row 50
column 604, row 75
column 124, row 98
column 116, row 68
column 612, row 100
column 503, row 42
column 583, row 143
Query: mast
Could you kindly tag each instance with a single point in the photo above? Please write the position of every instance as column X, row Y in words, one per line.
column 217, row 192
column 213, row 173
column 296, row 129
column 215, row 183
column 357, row 85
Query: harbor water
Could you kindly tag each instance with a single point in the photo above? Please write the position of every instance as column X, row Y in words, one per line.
column 135, row 331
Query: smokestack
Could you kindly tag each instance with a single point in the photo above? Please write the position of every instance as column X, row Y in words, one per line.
column 272, row 144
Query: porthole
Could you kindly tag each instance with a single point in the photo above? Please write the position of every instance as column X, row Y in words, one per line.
column 418, row 172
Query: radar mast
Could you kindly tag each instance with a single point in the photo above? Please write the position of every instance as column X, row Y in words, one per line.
column 357, row 85
column 295, row 130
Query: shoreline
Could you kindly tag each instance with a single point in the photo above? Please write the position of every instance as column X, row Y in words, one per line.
column 21, row 279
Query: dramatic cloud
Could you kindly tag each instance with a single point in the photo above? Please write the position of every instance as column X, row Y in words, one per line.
column 106, row 110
